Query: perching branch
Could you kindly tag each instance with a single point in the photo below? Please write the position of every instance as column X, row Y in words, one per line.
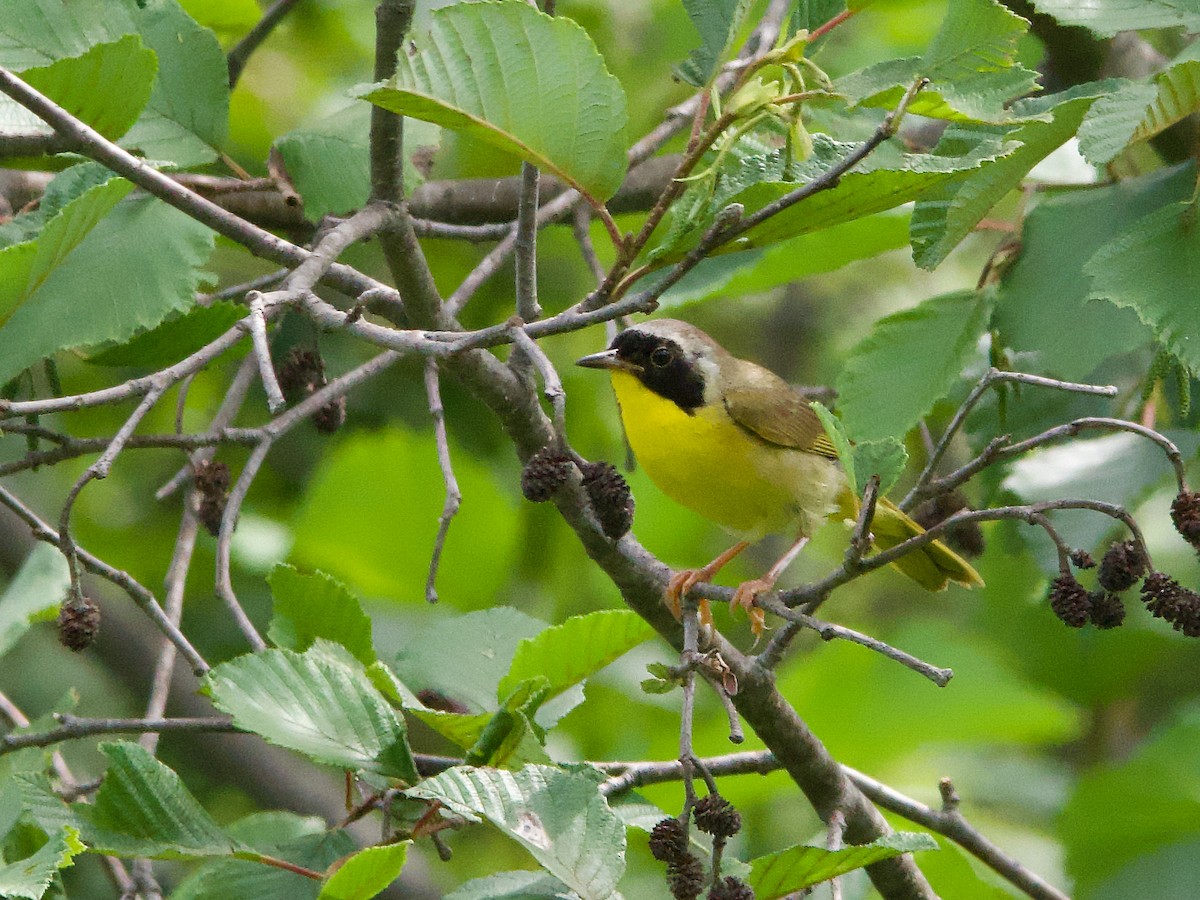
column 241, row 51
column 453, row 494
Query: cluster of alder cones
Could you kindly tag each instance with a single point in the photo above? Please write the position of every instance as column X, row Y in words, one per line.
column 686, row 878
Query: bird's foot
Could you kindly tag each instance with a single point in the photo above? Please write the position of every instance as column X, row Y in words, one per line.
column 746, row 596
column 679, row 584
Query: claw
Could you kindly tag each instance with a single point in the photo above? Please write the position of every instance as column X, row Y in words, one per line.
column 680, row 583
column 745, row 596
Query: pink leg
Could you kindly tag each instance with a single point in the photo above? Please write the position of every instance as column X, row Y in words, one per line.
column 685, row 579
column 748, row 591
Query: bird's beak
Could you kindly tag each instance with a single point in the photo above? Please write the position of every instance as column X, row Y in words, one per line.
column 608, row 359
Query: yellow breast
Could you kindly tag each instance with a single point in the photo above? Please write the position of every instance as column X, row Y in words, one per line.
column 708, row 463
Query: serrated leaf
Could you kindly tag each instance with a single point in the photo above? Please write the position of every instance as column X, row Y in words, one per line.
column 34, row 594
column 311, row 606
column 31, row 877
column 718, row 22
column 1154, row 269
column 582, row 645
column 885, row 458
column 908, row 362
column 946, row 215
column 838, row 437
column 223, row 879
column 173, row 340
column 107, row 86
column 1108, row 17
column 810, row 14
column 1139, row 111
column 366, row 873
column 187, row 117
column 514, row 886
column 970, row 62
column 559, row 817
column 477, row 56
column 1044, row 294
column 315, row 705
column 796, row 868
column 464, row 658
column 144, row 809
column 757, row 271
column 71, row 287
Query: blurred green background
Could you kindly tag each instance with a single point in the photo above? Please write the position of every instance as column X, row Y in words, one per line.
column 1077, row 751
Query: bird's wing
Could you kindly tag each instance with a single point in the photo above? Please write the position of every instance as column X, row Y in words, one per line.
column 771, row 408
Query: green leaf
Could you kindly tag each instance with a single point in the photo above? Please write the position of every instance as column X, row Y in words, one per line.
column 718, row 22
column 366, row 873
column 885, row 180
column 34, row 594
column 71, row 287
column 1045, row 294
column 302, row 841
column 107, row 86
column 144, row 809
column 908, row 362
column 465, row 658
column 31, row 877
column 513, row 886
column 316, row 705
column 187, row 117
column 796, row 868
column 314, row 606
column 948, row 214
column 885, row 458
column 176, row 338
column 1108, row 17
column 1155, row 789
column 1140, row 110
column 566, row 654
column 223, row 15
column 757, row 271
column 476, row 56
column 559, row 817
column 837, row 436
column 970, row 62
column 808, row 15
column 1153, row 269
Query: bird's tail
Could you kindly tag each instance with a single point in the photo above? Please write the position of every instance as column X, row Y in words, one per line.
column 934, row 565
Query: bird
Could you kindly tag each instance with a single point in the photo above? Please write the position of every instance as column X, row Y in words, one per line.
column 735, row 443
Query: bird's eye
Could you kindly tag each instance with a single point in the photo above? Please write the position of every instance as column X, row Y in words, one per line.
column 661, row 357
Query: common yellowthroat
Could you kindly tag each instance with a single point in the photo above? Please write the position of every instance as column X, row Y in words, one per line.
column 737, row 444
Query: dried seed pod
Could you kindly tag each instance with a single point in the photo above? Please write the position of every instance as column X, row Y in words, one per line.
column 1185, row 513
column 1081, row 559
column 1107, row 610
column 685, row 877
column 330, row 417
column 78, row 622
column 545, row 473
column 301, row 372
column 964, row 537
column 611, row 499
column 1121, row 567
column 730, row 888
column 1070, row 601
column 668, row 841
column 716, row 816
column 211, row 482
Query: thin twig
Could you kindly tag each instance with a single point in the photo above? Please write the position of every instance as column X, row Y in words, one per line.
column 72, row 727
column 139, row 594
column 241, row 51
column 175, row 585
column 262, row 352
column 526, row 245
column 551, row 384
column 990, row 378
column 453, row 494
column 951, row 824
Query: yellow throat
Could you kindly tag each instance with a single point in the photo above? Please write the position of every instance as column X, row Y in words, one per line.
column 708, row 463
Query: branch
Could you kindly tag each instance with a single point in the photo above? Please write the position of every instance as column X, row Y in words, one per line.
column 453, row 494
column 526, row 245
column 240, row 54
column 139, row 594
column 950, row 823
column 92, row 144
column 991, row 378
column 73, row 727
